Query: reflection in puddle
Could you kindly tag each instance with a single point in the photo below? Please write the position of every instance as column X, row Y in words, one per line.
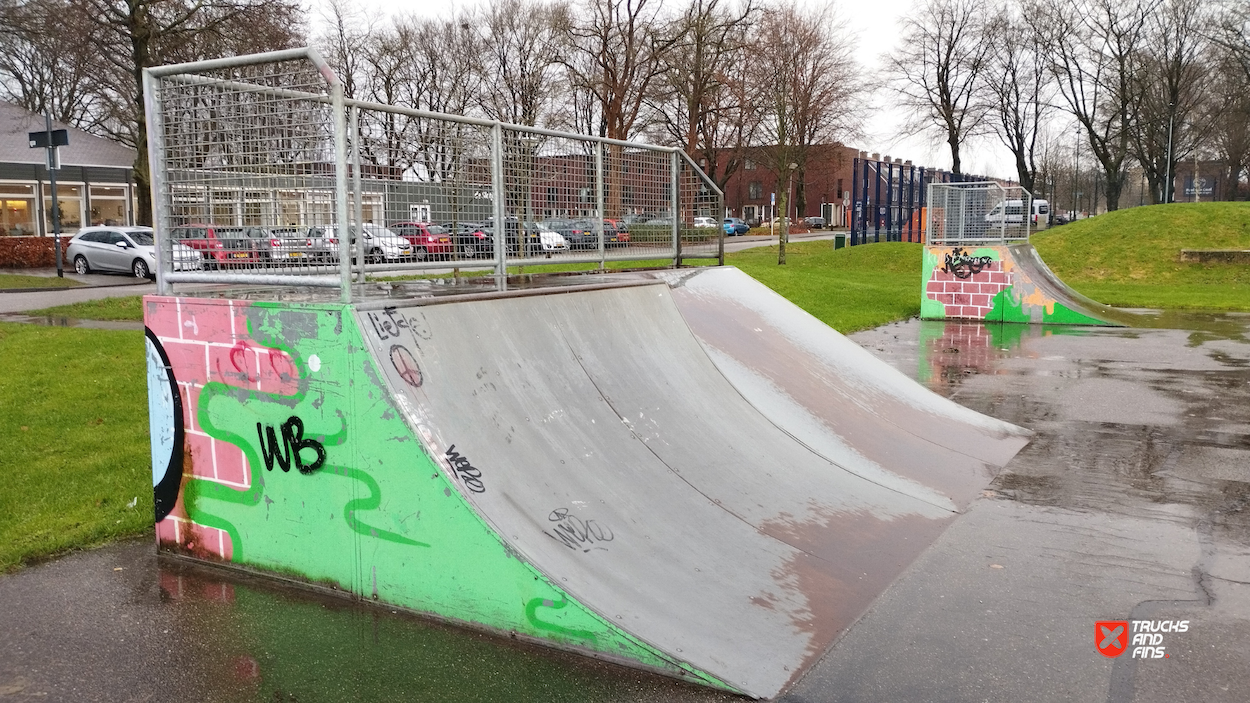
column 950, row 351
column 256, row 639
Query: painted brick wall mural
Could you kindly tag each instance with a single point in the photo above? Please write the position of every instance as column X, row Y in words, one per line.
column 996, row 283
column 966, row 284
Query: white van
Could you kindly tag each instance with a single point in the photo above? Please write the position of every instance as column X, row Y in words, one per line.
column 1012, row 212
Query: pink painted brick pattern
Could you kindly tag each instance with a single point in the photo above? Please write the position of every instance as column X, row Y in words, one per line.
column 207, row 340
column 968, row 297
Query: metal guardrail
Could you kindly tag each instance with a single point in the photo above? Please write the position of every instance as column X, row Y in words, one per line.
column 262, row 170
column 984, row 211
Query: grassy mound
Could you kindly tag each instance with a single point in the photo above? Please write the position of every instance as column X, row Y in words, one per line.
column 1132, row 257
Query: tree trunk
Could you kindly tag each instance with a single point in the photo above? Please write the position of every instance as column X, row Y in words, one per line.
column 141, row 53
column 1112, row 188
column 956, row 165
column 784, row 228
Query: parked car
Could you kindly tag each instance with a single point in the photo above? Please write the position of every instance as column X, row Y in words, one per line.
column 131, row 249
column 219, row 246
column 281, row 243
column 544, row 239
column 471, row 239
column 1011, row 212
column 579, row 234
column 702, row 222
column 814, row 222
column 734, row 226
column 428, row 241
column 380, row 243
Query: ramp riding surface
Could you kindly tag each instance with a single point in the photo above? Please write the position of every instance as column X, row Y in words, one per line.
column 570, row 467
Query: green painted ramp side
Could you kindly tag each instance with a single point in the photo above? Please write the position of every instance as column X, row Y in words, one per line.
column 331, row 486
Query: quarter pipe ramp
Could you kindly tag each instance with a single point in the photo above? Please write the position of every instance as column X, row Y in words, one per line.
column 682, row 473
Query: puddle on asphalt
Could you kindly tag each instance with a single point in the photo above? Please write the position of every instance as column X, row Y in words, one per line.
column 256, row 639
column 55, row 321
column 1149, row 422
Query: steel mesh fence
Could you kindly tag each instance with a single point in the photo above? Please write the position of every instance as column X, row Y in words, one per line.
column 260, row 167
column 978, row 212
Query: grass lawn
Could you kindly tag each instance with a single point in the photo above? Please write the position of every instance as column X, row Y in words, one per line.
column 1131, row 258
column 849, row 289
column 13, row 280
column 74, row 438
column 127, row 307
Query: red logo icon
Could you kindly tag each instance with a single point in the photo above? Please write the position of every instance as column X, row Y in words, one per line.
column 1111, row 637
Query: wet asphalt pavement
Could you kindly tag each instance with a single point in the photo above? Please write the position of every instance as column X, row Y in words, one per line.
column 1131, row 502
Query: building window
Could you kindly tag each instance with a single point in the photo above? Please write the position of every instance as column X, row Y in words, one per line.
column 841, row 193
column 748, row 164
column 108, row 205
column 755, row 190
column 69, row 198
column 18, row 215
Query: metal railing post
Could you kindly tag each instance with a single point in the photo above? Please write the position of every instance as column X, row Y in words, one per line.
column 497, row 193
column 156, row 180
column 358, row 206
column 340, row 192
column 599, row 205
column 675, row 178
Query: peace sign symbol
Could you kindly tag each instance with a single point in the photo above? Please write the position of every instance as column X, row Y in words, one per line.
column 403, row 362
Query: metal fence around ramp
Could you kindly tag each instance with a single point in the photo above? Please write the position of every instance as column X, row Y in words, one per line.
column 978, row 212
column 263, row 172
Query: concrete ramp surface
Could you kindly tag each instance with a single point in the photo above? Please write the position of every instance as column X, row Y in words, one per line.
column 579, row 468
column 1005, row 283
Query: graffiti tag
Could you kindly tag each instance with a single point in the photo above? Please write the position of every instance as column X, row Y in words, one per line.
column 405, row 365
column 961, row 265
column 290, row 450
column 574, row 533
column 390, row 322
column 469, row 476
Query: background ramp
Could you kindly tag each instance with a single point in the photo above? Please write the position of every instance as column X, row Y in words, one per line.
column 835, row 397
column 1005, row 283
column 1034, row 271
column 591, row 431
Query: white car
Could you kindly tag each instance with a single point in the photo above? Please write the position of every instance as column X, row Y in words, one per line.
column 548, row 239
column 702, row 222
column 381, row 244
column 128, row 249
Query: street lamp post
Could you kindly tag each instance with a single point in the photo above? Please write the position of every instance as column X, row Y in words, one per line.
column 1167, row 179
column 50, row 139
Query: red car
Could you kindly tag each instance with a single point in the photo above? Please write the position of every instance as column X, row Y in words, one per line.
column 428, row 241
column 220, row 246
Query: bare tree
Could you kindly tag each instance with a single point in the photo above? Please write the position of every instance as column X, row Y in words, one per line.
column 939, row 69
column 700, row 100
column 520, row 60
column 41, row 71
column 1094, row 47
column 1171, row 85
column 805, row 78
column 137, row 34
column 1019, row 89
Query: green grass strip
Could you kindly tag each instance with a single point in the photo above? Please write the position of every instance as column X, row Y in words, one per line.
column 75, row 449
column 13, row 280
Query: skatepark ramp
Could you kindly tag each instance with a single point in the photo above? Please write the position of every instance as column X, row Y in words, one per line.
column 678, row 471
column 1002, row 282
column 979, row 265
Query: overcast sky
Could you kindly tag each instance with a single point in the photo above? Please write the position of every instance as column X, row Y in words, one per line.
column 873, row 26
